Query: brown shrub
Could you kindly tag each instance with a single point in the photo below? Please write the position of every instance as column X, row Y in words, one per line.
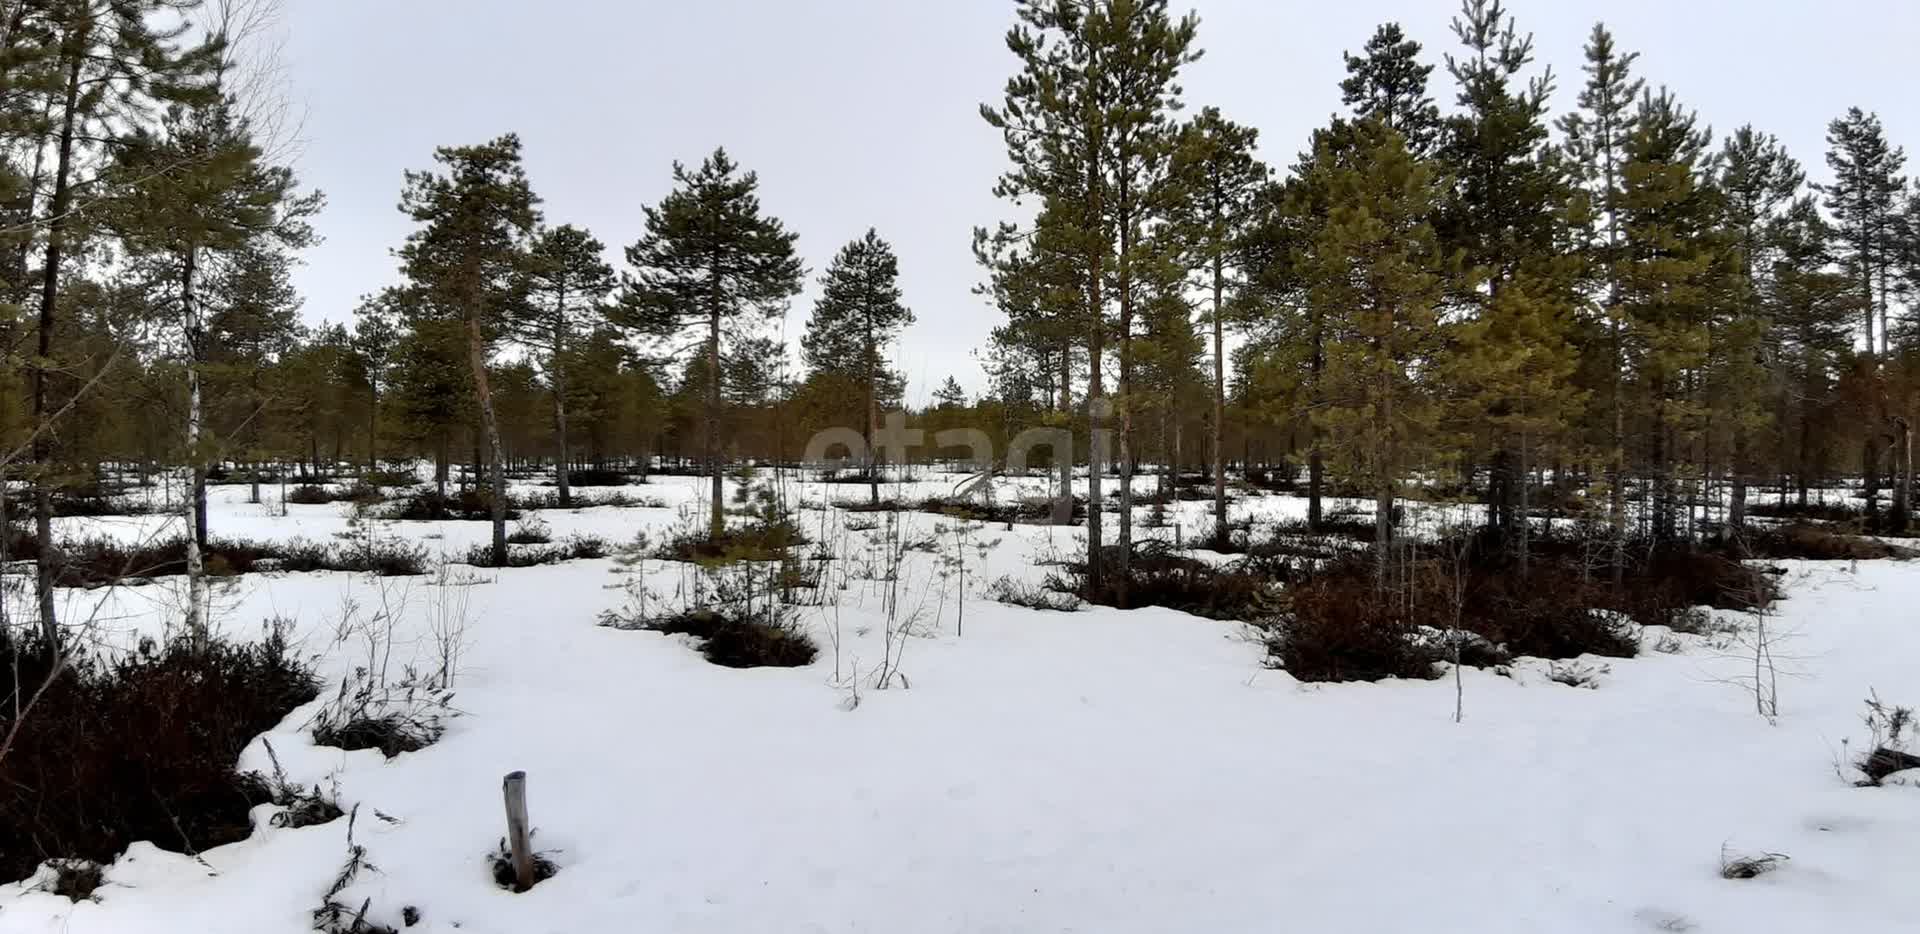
column 139, row 749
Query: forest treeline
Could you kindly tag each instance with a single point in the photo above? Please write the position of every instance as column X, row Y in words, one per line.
column 1610, row 312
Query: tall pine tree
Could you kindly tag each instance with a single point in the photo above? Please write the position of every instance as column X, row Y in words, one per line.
column 475, row 215
column 712, row 263
column 858, row 315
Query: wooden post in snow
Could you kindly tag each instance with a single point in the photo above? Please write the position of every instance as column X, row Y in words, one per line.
column 514, row 788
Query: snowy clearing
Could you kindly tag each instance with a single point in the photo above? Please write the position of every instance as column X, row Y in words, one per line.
column 1097, row 771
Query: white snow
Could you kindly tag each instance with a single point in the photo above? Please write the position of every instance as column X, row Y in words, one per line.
column 1099, row 771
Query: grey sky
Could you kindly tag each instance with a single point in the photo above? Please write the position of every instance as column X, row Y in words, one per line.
column 861, row 113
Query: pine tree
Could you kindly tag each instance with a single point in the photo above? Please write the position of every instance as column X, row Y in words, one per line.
column 1758, row 181
column 1812, row 308
column 1279, row 294
column 1673, row 273
column 253, row 319
column 563, row 289
column 1032, row 357
column 194, row 197
column 376, row 329
column 475, row 217
column 1054, row 122
column 1508, row 205
column 857, row 316
column 113, row 62
column 1144, row 48
column 1863, row 200
column 1169, row 356
column 1087, row 127
column 1596, row 143
column 950, row 395
column 1387, row 82
column 1220, row 180
column 710, row 261
column 1376, row 266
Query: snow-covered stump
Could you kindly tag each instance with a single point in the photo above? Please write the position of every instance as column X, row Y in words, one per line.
column 519, row 843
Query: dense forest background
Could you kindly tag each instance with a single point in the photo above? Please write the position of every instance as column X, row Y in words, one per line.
column 1451, row 292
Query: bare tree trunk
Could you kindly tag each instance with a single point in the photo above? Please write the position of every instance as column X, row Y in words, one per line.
column 1316, row 461
column 253, row 405
column 1063, row 504
column 373, row 426
column 197, row 629
column 562, row 458
column 1903, row 474
column 477, row 357
column 871, row 351
column 1219, row 403
column 717, row 523
column 49, row 299
column 1525, row 517
column 1125, row 569
column 1383, row 486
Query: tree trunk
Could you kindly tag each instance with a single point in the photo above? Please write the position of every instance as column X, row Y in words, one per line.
column 49, row 298
column 1125, row 568
column 254, row 405
column 1063, row 504
column 1219, row 403
column 871, row 351
column 477, row 357
column 1525, row 518
column 1384, row 478
column 717, row 523
column 1737, row 500
column 1316, row 461
column 197, row 630
column 1903, row 475
column 373, row 425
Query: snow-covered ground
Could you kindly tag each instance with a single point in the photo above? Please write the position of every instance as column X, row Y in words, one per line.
column 1098, row 771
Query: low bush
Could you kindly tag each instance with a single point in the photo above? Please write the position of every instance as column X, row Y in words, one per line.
column 1808, row 541
column 381, row 557
column 1889, row 732
column 300, row 806
column 592, row 476
column 1330, row 633
column 759, row 540
column 429, row 505
column 1161, row 575
column 101, row 561
column 76, row 879
column 318, row 495
column 533, row 532
column 1341, row 621
column 310, row 495
column 368, row 712
column 733, row 638
column 1032, row 596
column 550, row 499
column 390, row 478
column 139, row 748
column 1019, row 511
column 574, row 548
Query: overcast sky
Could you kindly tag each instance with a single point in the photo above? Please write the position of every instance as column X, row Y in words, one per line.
column 864, row 113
